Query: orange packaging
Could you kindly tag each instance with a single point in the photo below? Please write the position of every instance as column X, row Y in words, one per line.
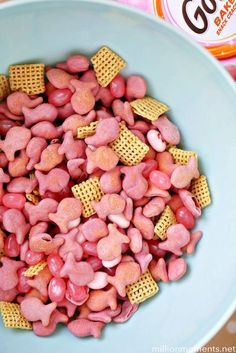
column 210, row 22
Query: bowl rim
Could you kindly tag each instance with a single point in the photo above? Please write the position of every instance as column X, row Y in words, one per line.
column 218, row 66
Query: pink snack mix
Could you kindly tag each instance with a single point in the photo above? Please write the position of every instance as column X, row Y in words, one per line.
column 87, row 263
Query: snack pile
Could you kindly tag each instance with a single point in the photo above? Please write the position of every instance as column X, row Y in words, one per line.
column 97, row 201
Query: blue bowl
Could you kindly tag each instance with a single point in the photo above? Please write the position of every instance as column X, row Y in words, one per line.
column 203, row 101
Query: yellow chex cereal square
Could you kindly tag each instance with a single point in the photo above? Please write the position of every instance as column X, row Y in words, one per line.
column 28, row 78
column 107, row 64
column 200, row 189
column 4, row 87
column 128, row 147
column 149, row 108
column 35, row 269
column 32, row 198
column 12, row 316
column 88, row 191
column 86, row 131
column 165, row 221
column 181, row 156
column 142, row 290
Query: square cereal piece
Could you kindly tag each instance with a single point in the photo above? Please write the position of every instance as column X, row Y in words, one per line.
column 181, row 156
column 128, row 147
column 143, row 289
column 86, row 131
column 107, row 64
column 200, row 189
column 12, row 316
column 88, row 191
column 32, row 198
column 28, row 78
column 149, row 108
column 35, row 269
column 4, row 87
column 165, row 221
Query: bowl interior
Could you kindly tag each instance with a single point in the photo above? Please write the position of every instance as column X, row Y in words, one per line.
column 202, row 98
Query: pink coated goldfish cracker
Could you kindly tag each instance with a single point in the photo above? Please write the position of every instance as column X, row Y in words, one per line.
column 44, row 243
column 111, row 181
column 83, row 100
column 190, row 203
column 177, row 237
column 123, row 110
column 177, row 269
column 34, row 310
column 182, row 175
column 50, row 158
column 154, row 208
column 16, row 139
column 169, row 131
column 34, row 149
column 70, row 245
column 80, row 273
column 158, row 270
column 8, row 295
column 104, row 315
column 94, row 229
column 135, row 237
column 84, row 328
column 134, row 184
column 4, row 178
column 68, row 214
column 41, row 281
column 143, row 224
column 43, row 112
column 80, row 147
column 107, row 130
column 103, row 157
column 16, row 101
column 56, row 180
column 8, row 273
column 18, row 167
column 73, row 167
column 46, row 130
column 109, row 247
column 109, row 204
column 41, row 211
column 75, row 121
column 100, row 299
column 126, row 273
column 59, row 78
column 15, row 222
column 195, row 237
column 71, row 148
column 22, row 185
column 127, row 310
column 55, row 319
